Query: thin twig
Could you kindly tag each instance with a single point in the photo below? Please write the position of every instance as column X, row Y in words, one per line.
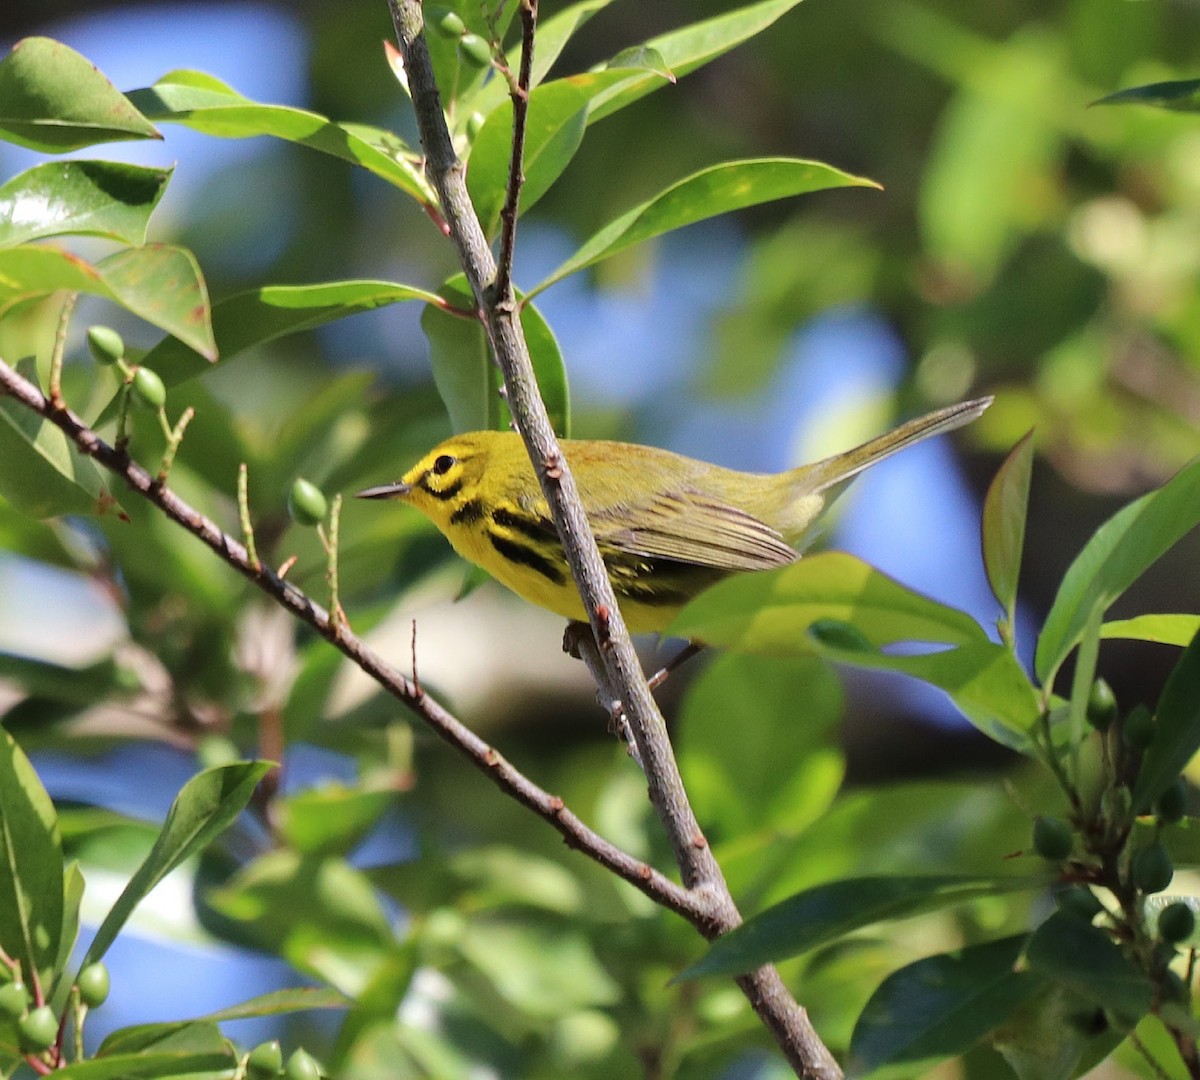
column 243, row 500
column 516, row 175
column 60, row 348
column 702, row 876
column 480, row 753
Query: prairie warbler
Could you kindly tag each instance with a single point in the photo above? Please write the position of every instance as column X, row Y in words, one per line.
column 667, row 526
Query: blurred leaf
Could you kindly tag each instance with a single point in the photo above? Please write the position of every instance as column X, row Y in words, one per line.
column 1004, row 510
column 1043, row 1039
column 939, row 1007
column 716, row 190
column 1177, row 730
column 31, row 867
column 205, row 807
column 1180, row 95
column 1121, row 550
column 1085, row 959
column 331, row 818
column 206, row 104
column 261, row 315
column 93, row 198
column 278, row 1002
column 467, row 378
column 825, row 913
column 54, row 100
column 1163, row 629
column 159, row 283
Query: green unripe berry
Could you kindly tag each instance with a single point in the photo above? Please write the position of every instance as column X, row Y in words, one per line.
column 1101, row 706
column 1052, row 838
column 14, row 999
column 1137, row 731
column 1080, row 901
column 1151, row 869
column 306, row 503
column 148, row 389
column 474, row 50
column 266, row 1059
column 449, row 24
column 93, row 985
column 38, row 1028
column 1172, row 803
column 1176, row 923
column 302, row 1066
column 105, row 344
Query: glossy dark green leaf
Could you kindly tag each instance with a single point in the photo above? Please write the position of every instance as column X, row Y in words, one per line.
column 1177, row 731
column 1004, row 510
column 54, row 100
column 207, row 104
column 31, row 866
column 940, row 1007
column 1086, row 960
column 1179, row 95
column 93, row 198
column 719, row 189
column 467, row 378
column 1121, row 550
column 825, row 913
column 205, row 807
column 252, row 318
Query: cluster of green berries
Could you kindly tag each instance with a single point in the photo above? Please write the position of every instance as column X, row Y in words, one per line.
column 145, row 386
column 474, row 49
column 266, row 1061
column 38, row 1027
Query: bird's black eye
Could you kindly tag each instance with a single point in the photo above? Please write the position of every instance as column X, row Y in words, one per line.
column 443, row 464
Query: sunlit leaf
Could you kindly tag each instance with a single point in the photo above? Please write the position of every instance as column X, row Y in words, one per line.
column 54, row 100
column 152, row 1065
column 1004, row 510
column 1163, row 629
column 278, row 1002
column 716, row 190
column 1177, row 730
column 94, row 198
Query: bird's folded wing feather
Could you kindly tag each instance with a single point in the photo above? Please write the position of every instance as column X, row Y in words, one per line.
column 690, row 527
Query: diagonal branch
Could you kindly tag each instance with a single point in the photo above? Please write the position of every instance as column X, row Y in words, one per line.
column 491, row 285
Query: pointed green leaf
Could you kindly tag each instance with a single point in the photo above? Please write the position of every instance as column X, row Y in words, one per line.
column 332, row 817
column 93, row 198
column 1086, row 960
column 31, row 866
column 1179, row 95
column 278, row 1002
column 1163, row 629
column 940, row 1007
column 154, row 1065
column 1177, row 732
column 73, row 886
column 54, row 100
column 192, row 1036
column 159, row 283
column 1004, row 510
column 467, row 378
column 825, row 913
column 718, row 189
column 252, row 318
column 1114, row 558
column 206, row 104
column 205, row 807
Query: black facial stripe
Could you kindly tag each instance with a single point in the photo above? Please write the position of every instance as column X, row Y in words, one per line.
column 525, row 556
column 470, row 512
column 442, row 493
column 536, row 528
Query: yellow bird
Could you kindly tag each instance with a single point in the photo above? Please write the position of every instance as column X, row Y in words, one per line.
column 667, row 526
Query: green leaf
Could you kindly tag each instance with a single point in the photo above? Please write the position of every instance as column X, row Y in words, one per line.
column 1114, row 558
column 332, row 817
column 73, row 886
column 1177, row 733
column 159, row 283
column 1163, row 629
column 93, row 198
column 940, row 1007
column 260, row 315
column 718, row 189
column 822, row 914
column 278, row 1002
column 205, row 807
column 467, row 378
column 31, row 866
column 152, row 1065
column 1179, row 95
column 1004, row 510
column 54, row 100
column 1086, row 960
column 208, row 105
column 192, row 1036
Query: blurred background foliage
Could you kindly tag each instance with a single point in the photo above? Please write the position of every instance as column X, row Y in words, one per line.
column 1024, row 245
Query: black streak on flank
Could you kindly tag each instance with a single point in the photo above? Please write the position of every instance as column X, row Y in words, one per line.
column 519, row 553
column 469, row 513
column 539, row 529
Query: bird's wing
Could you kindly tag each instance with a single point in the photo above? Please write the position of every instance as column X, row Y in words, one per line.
column 690, row 527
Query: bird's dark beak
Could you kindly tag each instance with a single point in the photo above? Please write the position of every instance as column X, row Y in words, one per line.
column 385, row 491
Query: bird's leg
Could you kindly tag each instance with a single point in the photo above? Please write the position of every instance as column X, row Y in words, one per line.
column 681, row 657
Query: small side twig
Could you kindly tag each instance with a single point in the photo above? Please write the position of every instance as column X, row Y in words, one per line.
column 174, row 438
column 243, row 501
column 330, row 542
column 60, row 347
